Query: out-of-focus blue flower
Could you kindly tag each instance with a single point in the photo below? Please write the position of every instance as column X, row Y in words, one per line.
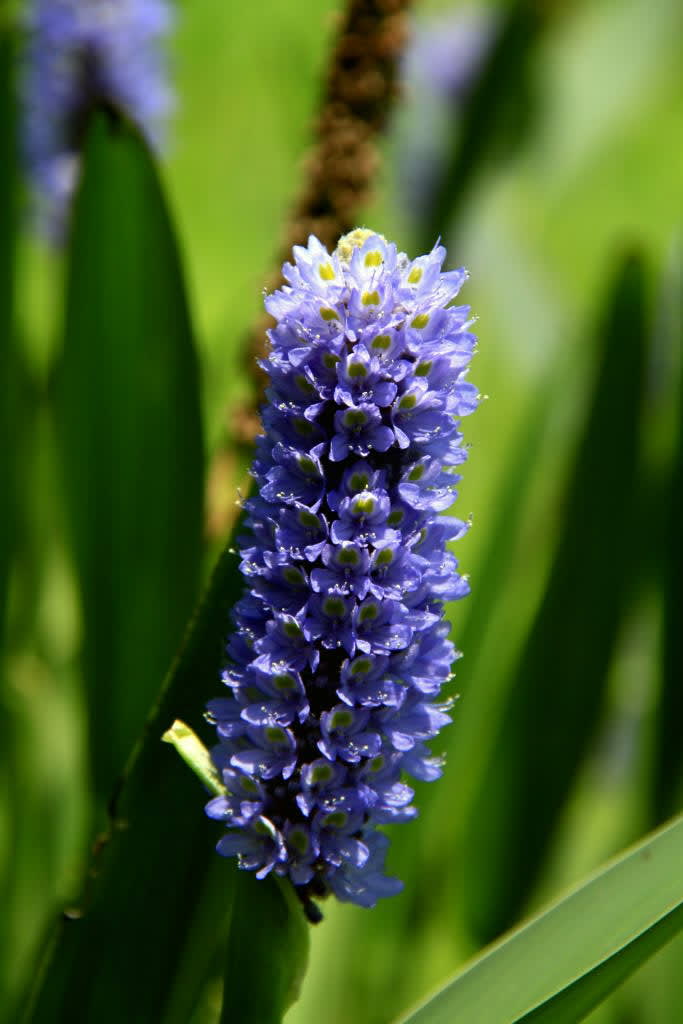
column 446, row 51
column 81, row 53
column 341, row 648
column 441, row 63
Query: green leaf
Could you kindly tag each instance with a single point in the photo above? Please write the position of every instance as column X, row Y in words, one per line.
column 558, row 966
column 142, row 939
column 157, row 901
column 7, row 353
column 130, row 436
column 267, row 952
column 551, row 711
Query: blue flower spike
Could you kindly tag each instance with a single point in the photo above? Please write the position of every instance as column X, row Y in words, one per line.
column 81, row 54
column 340, row 648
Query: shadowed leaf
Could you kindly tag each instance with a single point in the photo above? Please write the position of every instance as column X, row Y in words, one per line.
column 130, row 435
column 158, row 899
column 551, row 710
column 267, row 952
column 668, row 747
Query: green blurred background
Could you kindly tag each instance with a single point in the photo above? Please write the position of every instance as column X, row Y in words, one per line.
column 568, row 735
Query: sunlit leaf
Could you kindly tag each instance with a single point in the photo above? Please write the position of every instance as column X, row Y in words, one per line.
column 558, row 966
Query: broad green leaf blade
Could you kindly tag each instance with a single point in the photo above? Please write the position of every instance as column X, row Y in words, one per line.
column 157, row 899
column 550, row 712
column 561, row 964
column 267, row 952
column 668, row 746
column 577, row 1000
column 130, row 436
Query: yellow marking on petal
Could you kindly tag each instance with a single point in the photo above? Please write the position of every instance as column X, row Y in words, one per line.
column 334, row 607
column 415, row 275
column 342, row 719
column 348, row 557
column 370, row 298
column 374, row 259
column 293, row 576
column 337, row 819
column 381, row 342
column 328, row 314
column 304, row 384
column 355, row 418
column 407, row 402
column 321, row 773
column 421, row 320
column 298, row 839
column 353, row 240
column 363, row 506
column 326, row 271
column 284, row 682
column 303, row 427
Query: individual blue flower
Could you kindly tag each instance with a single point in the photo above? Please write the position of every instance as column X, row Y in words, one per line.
column 81, row 54
column 340, row 647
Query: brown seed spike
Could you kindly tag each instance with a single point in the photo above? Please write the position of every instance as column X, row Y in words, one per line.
column 360, row 91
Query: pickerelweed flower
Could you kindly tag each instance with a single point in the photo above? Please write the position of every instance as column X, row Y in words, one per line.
column 81, row 54
column 340, row 648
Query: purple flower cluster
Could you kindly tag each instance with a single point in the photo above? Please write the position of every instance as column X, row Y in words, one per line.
column 81, row 53
column 341, row 647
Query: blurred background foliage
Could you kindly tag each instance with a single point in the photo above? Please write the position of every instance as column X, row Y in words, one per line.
column 555, row 176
